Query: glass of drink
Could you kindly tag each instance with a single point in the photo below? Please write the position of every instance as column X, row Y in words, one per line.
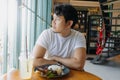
column 26, row 65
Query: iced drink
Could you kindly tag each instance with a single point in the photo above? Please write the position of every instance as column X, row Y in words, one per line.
column 26, row 65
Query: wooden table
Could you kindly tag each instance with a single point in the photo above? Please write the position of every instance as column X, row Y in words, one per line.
column 73, row 75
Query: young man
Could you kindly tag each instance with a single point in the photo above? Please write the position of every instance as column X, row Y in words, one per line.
column 61, row 43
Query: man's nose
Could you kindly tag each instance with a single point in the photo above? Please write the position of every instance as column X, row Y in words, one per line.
column 53, row 21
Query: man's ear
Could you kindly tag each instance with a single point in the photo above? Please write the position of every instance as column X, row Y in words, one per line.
column 70, row 23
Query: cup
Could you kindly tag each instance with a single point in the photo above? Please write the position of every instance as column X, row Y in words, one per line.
column 26, row 65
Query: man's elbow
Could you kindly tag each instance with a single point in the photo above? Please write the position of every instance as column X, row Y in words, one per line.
column 79, row 65
column 37, row 61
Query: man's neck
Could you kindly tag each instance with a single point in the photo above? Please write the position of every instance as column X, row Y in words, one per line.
column 65, row 33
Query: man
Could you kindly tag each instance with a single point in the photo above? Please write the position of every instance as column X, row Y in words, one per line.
column 61, row 43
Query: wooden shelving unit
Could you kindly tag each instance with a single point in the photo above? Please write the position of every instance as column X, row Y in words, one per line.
column 111, row 16
column 94, row 24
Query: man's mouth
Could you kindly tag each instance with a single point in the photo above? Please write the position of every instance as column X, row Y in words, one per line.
column 53, row 27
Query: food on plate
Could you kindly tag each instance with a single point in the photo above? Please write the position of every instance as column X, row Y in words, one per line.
column 56, row 68
column 51, row 71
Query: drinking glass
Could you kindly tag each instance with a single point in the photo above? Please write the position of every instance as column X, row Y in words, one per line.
column 26, row 65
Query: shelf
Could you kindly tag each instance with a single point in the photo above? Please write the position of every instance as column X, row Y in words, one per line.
column 111, row 2
column 113, row 25
column 112, row 53
column 113, row 37
column 118, row 31
column 112, row 47
column 113, row 42
column 94, row 18
column 112, row 17
column 112, row 10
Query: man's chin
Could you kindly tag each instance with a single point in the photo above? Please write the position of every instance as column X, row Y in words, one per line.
column 55, row 30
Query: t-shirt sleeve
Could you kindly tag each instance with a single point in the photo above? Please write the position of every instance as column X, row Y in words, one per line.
column 43, row 39
column 81, row 41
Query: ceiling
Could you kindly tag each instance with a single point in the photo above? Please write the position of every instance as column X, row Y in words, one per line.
column 85, row 0
column 81, row 4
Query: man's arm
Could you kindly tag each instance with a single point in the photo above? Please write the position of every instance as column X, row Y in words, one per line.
column 76, row 62
column 39, row 53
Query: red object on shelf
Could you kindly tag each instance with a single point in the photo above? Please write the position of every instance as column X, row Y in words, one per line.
column 100, row 42
column 99, row 49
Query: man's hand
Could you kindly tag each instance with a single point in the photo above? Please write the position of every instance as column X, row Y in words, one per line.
column 54, row 58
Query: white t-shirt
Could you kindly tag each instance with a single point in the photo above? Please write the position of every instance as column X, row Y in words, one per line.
column 57, row 45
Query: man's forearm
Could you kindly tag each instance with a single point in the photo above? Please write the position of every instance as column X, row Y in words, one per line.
column 71, row 62
column 41, row 61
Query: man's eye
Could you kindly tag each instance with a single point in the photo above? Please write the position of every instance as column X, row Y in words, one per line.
column 57, row 19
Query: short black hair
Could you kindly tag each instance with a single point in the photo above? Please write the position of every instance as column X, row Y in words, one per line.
column 68, row 11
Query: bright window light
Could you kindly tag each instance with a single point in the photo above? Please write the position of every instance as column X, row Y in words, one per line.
column 8, row 22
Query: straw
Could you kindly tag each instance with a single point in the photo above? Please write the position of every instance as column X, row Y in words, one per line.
column 27, row 55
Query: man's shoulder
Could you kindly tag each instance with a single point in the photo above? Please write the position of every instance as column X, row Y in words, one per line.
column 76, row 32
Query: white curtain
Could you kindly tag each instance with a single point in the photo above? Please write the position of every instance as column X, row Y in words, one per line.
column 18, row 19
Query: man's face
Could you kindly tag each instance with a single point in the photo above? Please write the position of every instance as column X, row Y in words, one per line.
column 58, row 23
